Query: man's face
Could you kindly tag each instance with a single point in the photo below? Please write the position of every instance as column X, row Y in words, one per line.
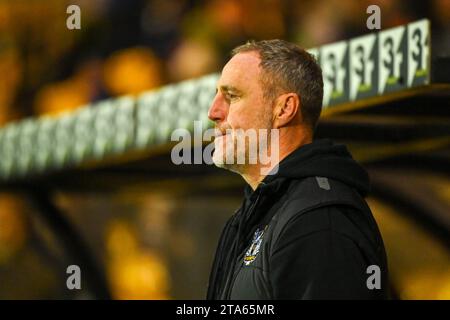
column 239, row 104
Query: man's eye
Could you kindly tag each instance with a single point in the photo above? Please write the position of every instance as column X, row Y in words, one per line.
column 231, row 96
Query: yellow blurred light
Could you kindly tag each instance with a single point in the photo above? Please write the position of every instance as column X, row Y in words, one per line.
column 419, row 265
column 120, row 240
column 134, row 272
column 192, row 59
column 444, row 292
column 139, row 276
column 132, row 71
column 12, row 227
column 60, row 97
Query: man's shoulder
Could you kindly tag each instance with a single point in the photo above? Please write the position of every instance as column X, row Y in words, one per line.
column 323, row 205
column 342, row 220
column 318, row 195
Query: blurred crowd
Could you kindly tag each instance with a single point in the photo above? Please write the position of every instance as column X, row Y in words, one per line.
column 126, row 47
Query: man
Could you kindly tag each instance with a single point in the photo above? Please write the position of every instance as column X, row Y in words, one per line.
column 304, row 230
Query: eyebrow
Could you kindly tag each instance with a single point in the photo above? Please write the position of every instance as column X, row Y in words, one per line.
column 229, row 88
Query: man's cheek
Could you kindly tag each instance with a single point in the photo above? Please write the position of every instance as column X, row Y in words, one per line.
column 236, row 117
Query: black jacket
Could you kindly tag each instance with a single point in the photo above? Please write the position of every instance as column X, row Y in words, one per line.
column 304, row 233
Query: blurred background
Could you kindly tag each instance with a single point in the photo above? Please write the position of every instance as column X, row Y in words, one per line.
column 155, row 239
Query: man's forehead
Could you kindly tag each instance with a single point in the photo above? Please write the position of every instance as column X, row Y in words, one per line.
column 240, row 69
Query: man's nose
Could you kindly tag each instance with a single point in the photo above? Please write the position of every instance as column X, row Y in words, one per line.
column 218, row 110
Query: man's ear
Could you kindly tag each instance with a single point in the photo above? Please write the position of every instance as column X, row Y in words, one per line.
column 287, row 108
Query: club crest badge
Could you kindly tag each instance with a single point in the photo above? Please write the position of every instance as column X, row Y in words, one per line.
column 253, row 251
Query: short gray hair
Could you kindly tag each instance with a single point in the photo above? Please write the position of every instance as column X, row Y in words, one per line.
column 289, row 68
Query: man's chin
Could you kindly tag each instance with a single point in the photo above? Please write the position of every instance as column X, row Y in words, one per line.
column 219, row 161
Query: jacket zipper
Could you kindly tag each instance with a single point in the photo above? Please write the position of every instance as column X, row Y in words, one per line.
column 239, row 260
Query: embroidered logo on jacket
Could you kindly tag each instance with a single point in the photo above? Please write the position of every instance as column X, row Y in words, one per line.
column 253, row 251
